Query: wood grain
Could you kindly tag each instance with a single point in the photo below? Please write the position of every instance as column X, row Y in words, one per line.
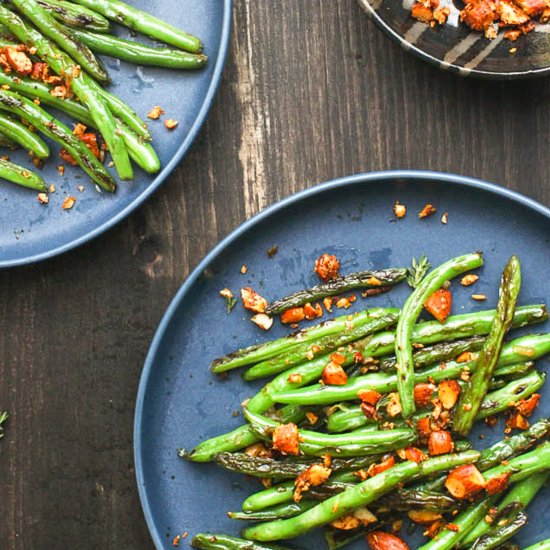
column 312, row 91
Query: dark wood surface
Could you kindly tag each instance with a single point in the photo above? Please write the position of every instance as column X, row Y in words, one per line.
column 312, row 91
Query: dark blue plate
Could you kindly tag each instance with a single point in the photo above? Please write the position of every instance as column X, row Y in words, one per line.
column 181, row 403
column 454, row 47
column 30, row 232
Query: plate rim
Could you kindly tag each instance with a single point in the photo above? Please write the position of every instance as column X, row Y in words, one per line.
column 444, row 66
column 166, row 170
column 342, row 182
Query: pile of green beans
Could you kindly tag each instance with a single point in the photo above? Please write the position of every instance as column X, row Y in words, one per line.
column 381, row 460
column 67, row 36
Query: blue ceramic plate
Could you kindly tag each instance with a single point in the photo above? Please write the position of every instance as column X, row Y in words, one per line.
column 180, row 403
column 455, row 48
column 30, row 232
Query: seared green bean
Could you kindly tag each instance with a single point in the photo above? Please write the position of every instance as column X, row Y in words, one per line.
column 76, row 16
column 409, row 315
column 207, row 541
column 21, row 134
column 21, row 176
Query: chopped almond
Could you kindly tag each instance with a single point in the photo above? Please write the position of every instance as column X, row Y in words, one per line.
column 423, row 393
column 293, row 315
column 155, row 113
column 68, row 203
column 252, row 300
column 465, row 357
column 360, row 517
column 424, row 428
column 258, row 450
column 43, row 198
column 428, row 210
column 171, row 124
column 370, row 397
column 67, row 157
column 327, row 266
column 464, row 481
column 441, row 15
column 415, row 455
column 312, row 419
column 440, row 443
column 327, row 302
column 387, row 463
column 286, row 439
column 449, row 392
column 312, row 311
column 380, row 540
column 479, row 297
column 295, row 378
column 439, row 304
column 479, row 14
column 526, row 406
column 516, row 421
column 368, row 410
column 424, row 517
column 264, row 321
column 393, row 408
column 314, row 475
column 498, row 483
column 469, row 279
column 400, row 210
column 345, row 302
column 18, row 60
column 40, row 71
column 510, row 14
column 334, row 374
column 434, row 529
column 422, row 13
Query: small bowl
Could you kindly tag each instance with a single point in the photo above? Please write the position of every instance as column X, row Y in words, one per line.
column 455, row 48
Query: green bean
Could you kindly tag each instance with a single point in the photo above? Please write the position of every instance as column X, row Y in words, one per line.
column 338, row 538
column 541, row 545
column 57, row 131
column 287, row 468
column 76, row 16
column 240, row 438
column 3, row 417
column 281, row 346
column 280, row 511
column 500, row 400
column 409, row 315
column 207, row 541
column 143, row 22
column 21, row 134
column 355, row 497
column 5, row 141
column 350, row 444
column 464, row 522
column 501, row 533
column 458, row 326
column 140, row 152
column 141, row 54
column 521, row 493
column 55, row 31
column 444, row 351
column 21, row 176
column 82, row 85
column 473, row 394
column 318, row 394
column 299, row 353
column 378, row 280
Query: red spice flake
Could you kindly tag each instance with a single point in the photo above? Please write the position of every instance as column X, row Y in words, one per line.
column 334, row 374
column 68, row 203
column 439, row 304
column 327, row 266
column 358, row 357
column 312, row 419
column 293, row 315
column 452, row 527
column 252, row 300
column 171, row 124
column 516, row 421
column 428, row 210
column 155, row 113
column 176, row 540
column 66, row 157
column 434, row 529
column 368, row 410
column 286, row 439
column 337, row 358
column 327, row 302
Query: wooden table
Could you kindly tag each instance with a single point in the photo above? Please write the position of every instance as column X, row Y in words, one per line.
column 312, row 91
